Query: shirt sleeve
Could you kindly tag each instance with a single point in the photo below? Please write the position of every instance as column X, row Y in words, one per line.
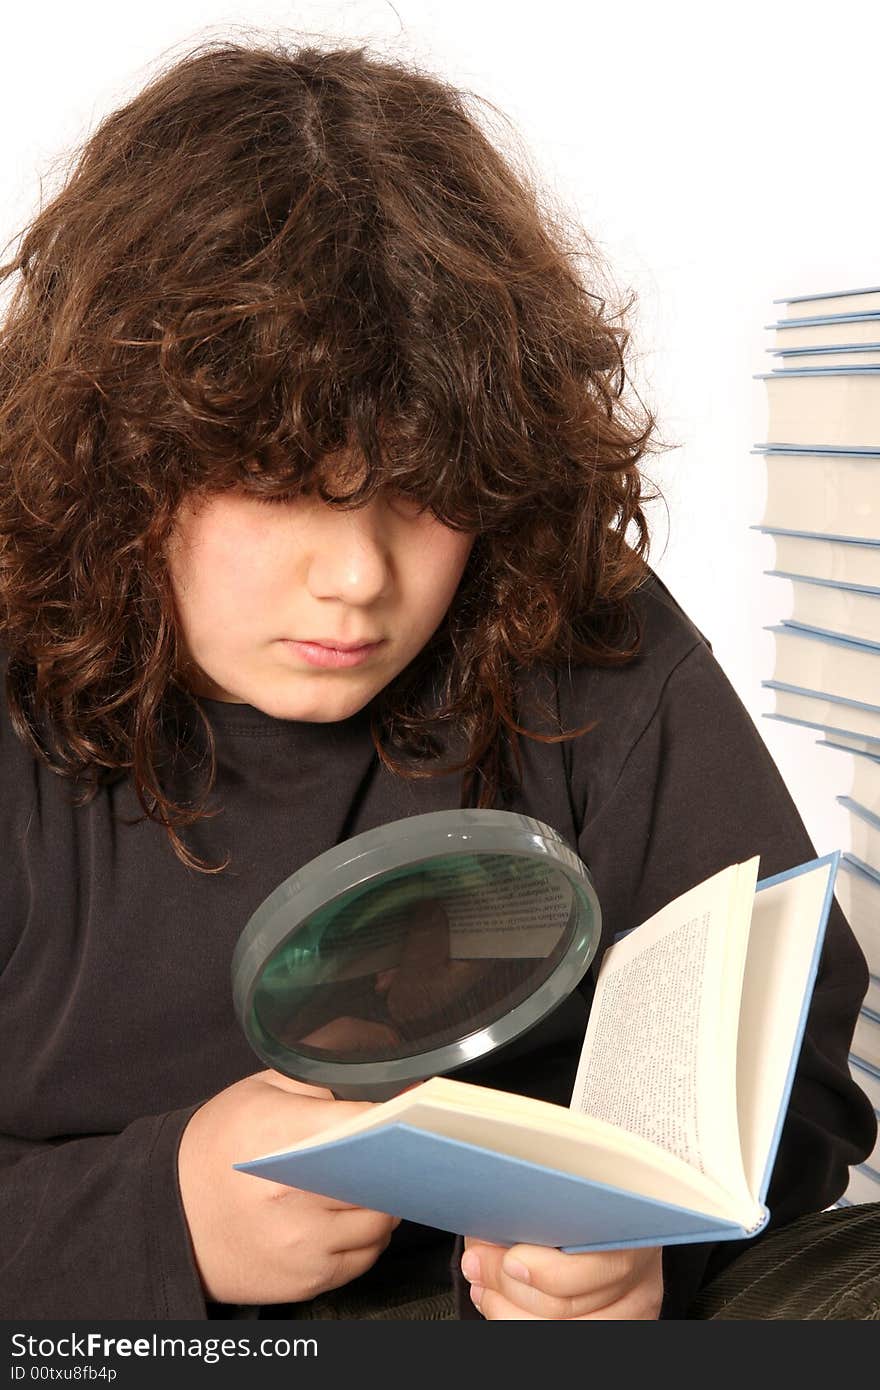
column 697, row 791
column 94, row 1226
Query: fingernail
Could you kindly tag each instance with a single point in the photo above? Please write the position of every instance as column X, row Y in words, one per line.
column 516, row 1269
column 470, row 1266
column 476, row 1294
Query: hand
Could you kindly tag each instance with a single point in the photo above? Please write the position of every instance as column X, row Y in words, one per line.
column 426, row 980
column 619, row 1284
column 353, row 1035
column 257, row 1241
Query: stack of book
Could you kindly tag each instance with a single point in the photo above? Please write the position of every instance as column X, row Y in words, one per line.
column 822, row 460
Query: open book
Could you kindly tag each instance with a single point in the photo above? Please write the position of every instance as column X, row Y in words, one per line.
column 677, row 1107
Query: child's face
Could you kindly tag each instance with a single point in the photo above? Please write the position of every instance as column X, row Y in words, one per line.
column 248, row 574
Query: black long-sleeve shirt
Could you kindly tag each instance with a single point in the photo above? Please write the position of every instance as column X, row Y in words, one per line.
column 116, row 1016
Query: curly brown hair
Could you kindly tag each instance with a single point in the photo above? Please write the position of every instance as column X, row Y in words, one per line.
column 270, row 254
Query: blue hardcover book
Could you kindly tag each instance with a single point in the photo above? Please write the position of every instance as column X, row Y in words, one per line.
column 864, row 1186
column 817, row 631
column 865, row 828
column 833, row 319
column 866, row 1040
column 856, row 865
column 834, row 729
column 871, row 752
column 867, row 1080
column 873, row 290
column 677, row 1108
column 804, row 354
column 816, row 535
column 827, row 666
column 870, row 589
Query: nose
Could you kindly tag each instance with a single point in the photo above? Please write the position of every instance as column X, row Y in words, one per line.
column 351, row 555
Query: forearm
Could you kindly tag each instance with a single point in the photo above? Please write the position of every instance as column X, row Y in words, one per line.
column 94, row 1227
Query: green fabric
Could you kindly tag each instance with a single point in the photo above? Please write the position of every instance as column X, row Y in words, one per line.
column 825, row 1265
column 412, row 1286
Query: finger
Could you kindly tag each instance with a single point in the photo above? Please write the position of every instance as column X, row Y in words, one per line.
column 550, row 1283
column 501, row 1295
column 494, row 1306
column 569, row 1274
column 359, row 1229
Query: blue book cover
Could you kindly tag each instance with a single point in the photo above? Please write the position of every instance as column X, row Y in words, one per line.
column 871, row 589
column 817, row 371
column 833, row 319
column 814, row 449
column 863, row 812
column 815, row 535
column 866, row 1079
column 850, row 451
column 862, row 665
column 866, row 1040
column 803, row 369
column 807, row 352
column 820, row 694
column 833, row 639
column 811, row 628
column 825, row 728
column 397, row 1159
column 872, row 756
column 825, row 294
column 853, row 863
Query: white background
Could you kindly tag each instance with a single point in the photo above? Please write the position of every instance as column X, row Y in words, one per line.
column 720, row 156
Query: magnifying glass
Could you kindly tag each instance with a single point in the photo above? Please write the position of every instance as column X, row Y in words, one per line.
column 409, row 950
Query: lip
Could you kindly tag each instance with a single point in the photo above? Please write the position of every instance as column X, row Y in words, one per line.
column 322, row 654
column 336, row 646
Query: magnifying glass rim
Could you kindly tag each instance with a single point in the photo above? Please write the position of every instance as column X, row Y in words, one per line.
column 369, row 856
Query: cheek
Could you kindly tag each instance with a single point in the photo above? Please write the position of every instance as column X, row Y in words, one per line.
column 222, row 562
column 460, row 548
column 438, row 564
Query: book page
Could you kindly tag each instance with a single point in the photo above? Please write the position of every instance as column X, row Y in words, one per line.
column 785, row 921
column 847, row 612
column 841, row 561
column 537, row 1132
column 840, row 668
column 822, row 493
column 834, row 411
column 659, row 1056
column 482, row 907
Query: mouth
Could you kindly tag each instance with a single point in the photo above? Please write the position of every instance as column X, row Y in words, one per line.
column 325, row 655
column 335, row 646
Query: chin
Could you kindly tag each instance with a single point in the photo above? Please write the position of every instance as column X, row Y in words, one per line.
column 317, row 711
